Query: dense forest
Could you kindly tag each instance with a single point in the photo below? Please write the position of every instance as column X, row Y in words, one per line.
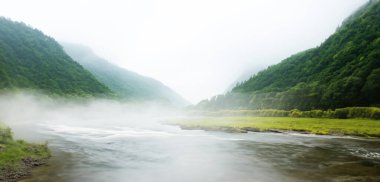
column 31, row 60
column 126, row 84
column 343, row 71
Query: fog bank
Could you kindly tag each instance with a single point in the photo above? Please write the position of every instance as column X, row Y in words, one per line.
column 24, row 111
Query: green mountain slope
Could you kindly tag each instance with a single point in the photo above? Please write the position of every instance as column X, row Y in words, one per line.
column 343, row 71
column 129, row 85
column 31, row 60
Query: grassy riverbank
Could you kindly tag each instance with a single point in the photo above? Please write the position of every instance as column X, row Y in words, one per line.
column 323, row 126
column 338, row 113
column 17, row 157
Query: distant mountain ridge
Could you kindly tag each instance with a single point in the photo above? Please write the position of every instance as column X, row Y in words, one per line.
column 31, row 60
column 343, row 71
column 126, row 84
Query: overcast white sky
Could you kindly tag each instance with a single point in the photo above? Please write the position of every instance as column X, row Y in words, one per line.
column 196, row 47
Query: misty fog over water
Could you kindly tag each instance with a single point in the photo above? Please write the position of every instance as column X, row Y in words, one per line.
column 190, row 91
column 104, row 140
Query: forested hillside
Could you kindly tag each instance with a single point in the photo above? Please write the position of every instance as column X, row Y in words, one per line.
column 343, row 71
column 31, row 60
column 126, row 84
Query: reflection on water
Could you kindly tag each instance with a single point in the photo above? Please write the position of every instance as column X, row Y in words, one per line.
column 166, row 153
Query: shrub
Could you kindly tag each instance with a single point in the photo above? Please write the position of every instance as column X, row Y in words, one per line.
column 341, row 113
column 376, row 114
column 295, row 113
column 363, row 112
column 5, row 135
column 328, row 114
column 316, row 113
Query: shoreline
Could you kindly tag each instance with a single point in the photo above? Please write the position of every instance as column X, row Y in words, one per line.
column 365, row 128
column 281, row 131
column 27, row 165
column 18, row 157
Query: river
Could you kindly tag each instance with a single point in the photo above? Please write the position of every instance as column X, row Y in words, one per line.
column 104, row 141
column 157, row 152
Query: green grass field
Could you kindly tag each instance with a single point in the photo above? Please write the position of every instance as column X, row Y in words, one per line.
column 11, row 154
column 324, row 126
column 18, row 156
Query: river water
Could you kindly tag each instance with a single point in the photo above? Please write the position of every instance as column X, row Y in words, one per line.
column 105, row 141
column 157, row 152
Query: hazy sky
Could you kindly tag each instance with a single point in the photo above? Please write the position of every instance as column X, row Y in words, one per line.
column 196, row 47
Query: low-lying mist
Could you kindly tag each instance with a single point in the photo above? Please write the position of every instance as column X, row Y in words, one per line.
column 23, row 111
column 98, row 140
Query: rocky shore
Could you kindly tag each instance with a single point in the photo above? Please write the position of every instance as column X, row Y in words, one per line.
column 18, row 157
column 10, row 175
